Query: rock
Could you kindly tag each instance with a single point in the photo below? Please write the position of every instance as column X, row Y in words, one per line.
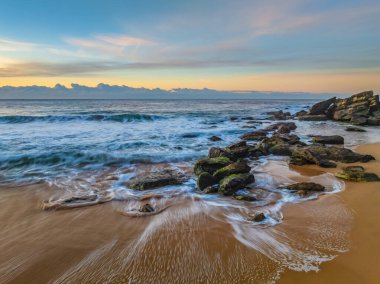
column 210, row 165
column 240, row 167
column 249, row 126
column 238, row 150
column 245, row 197
column 216, row 152
column 205, row 180
column 215, row 138
column 212, row 189
column 355, row 129
column 147, row 208
column 230, row 184
column 156, row 179
column 305, row 186
column 279, row 115
column 258, row 217
column 359, row 120
column 189, row 135
column 254, row 135
column 334, row 139
column 319, row 117
column 282, row 127
column 357, row 109
column 248, row 118
column 321, row 107
column 280, row 150
column 357, row 174
column 301, row 113
column 326, row 164
column 234, row 118
column 374, row 118
column 318, row 155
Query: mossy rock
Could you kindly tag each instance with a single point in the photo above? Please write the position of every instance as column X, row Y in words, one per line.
column 357, row 174
column 210, row 165
column 245, row 197
column 240, row 167
column 205, row 180
column 230, row 184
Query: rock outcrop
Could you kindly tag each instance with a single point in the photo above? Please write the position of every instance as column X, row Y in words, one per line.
column 359, row 109
column 156, row 179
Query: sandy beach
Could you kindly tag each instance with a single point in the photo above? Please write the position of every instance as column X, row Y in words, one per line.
column 361, row 263
column 98, row 244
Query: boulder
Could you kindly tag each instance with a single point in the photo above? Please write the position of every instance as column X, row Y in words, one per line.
column 156, row 179
column 334, row 139
column 355, row 129
column 210, row 165
column 280, row 150
column 279, row 115
column 357, row 174
column 318, row 155
column 254, row 135
column 240, row 167
column 245, row 197
column 305, row 186
column 230, row 184
column 258, row 217
column 319, row 117
column 282, row 127
column 322, row 107
column 215, row 138
column 205, row 180
column 212, row 189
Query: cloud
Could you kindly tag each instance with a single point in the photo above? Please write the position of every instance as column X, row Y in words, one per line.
column 110, row 45
column 13, row 45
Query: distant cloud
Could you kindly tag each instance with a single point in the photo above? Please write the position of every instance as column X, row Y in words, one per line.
column 13, row 45
column 111, row 45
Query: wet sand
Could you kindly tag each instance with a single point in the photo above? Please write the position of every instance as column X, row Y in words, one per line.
column 361, row 263
column 190, row 242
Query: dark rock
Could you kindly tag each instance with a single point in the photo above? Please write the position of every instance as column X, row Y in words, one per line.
column 301, row 113
column 319, row 117
column 282, row 127
column 245, row 197
column 255, row 135
column 280, row 150
column 156, row 179
column 305, row 186
column 279, row 115
column 189, row 135
column 355, row 129
column 205, row 180
column 326, row 164
column 215, row 138
column 212, row 189
column 229, row 185
column 317, row 155
column 374, row 118
column 248, row 118
column 321, row 107
column 359, row 120
column 237, row 145
column 234, row 118
column 258, row 217
column 334, row 139
column 357, row 174
column 210, row 165
column 215, row 152
column 240, row 167
column 249, row 126
column 147, row 208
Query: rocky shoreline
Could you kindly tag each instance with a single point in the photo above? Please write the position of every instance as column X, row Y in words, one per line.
column 228, row 171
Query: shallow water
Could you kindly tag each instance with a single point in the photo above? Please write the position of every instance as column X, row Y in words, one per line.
column 53, row 149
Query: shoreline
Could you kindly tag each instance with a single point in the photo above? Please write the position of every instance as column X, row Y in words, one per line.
column 360, row 262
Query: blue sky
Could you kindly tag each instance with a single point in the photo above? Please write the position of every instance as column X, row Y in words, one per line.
column 316, row 46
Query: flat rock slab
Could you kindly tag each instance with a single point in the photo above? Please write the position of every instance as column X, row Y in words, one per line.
column 153, row 180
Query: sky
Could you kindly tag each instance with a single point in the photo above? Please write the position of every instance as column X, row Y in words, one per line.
column 240, row 45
